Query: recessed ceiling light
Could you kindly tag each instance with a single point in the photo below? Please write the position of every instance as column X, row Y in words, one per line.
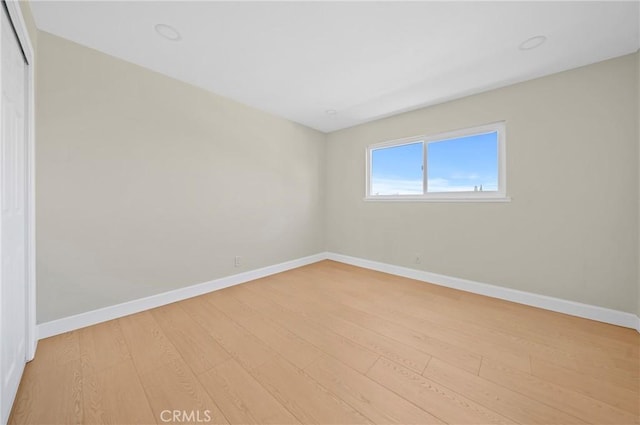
column 330, row 112
column 168, row 32
column 533, row 42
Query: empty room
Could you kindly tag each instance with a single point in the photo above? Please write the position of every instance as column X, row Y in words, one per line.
column 319, row 212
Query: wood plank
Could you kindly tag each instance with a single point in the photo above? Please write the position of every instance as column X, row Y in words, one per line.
column 173, row 387
column 307, row 400
column 473, row 307
column 50, row 395
column 419, row 314
column 632, row 366
column 325, row 340
column 453, row 354
column 549, row 326
column 599, row 371
column 475, row 304
column 447, row 322
column 354, row 280
column 288, row 344
column 531, row 315
column 102, row 346
column 331, row 343
column 56, row 351
column 401, row 353
column 225, row 302
column 402, row 316
column 599, row 389
column 241, row 398
column 199, row 349
column 373, row 400
column 576, row 342
column 509, row 403
column 148, row 345
column 574, row 403
column 438, row 400
column 406, row 355
column 114, row 395
column 237, row 341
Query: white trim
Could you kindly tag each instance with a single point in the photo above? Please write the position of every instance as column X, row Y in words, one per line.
column 17, row 20
column 82, row 320
column 66, row 324
column 601, row 314
column 15, row 15
column 398, row 142
column 462, row 197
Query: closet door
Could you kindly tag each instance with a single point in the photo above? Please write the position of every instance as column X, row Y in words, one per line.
column 13, row 214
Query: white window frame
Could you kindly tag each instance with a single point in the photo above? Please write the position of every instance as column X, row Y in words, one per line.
column 480, row 196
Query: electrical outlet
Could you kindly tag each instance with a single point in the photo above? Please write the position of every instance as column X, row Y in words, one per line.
column 237, row 261
column 417, row 259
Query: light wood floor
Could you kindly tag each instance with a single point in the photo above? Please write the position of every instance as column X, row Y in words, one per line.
column 335, row 344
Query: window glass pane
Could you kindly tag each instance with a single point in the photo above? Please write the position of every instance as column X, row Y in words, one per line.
column 463, row 164
column 397, row 170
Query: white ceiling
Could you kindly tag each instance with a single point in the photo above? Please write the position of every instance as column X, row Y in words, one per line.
column 365, row 60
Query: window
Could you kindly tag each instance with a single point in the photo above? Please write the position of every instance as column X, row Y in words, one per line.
column 463, row 165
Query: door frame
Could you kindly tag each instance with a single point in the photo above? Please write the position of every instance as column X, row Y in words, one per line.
column 20, row 27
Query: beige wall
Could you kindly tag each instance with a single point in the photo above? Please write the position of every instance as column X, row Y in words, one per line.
column 146, row 184
column 571, row 230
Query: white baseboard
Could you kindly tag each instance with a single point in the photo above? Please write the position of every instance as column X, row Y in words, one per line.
column 601, row 314
column 573, row 308
column 66, row 324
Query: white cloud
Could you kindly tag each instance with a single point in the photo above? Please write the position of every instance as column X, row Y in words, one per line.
column 443, row 185
column 465, row 176
column 380, row 186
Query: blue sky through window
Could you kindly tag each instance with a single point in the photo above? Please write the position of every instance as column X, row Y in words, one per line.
column 461, row 164
column 397, row 170
column 453, row 165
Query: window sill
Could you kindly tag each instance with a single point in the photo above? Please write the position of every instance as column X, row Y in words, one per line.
column 409, row 198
